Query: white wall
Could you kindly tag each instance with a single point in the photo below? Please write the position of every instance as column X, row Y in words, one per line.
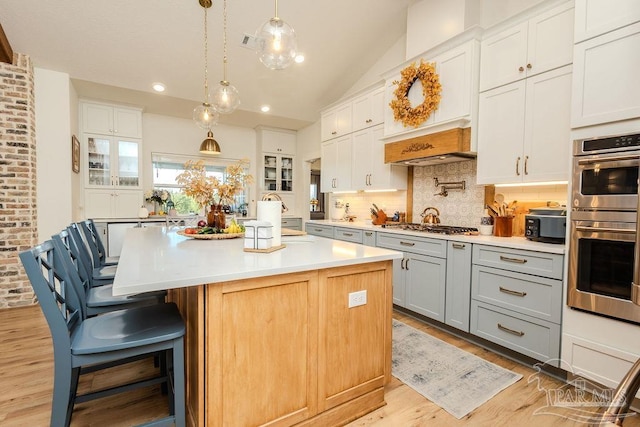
column 495, row 11
column 53, row 109
column 431, row 22
column 164, row 134
column 76, row 178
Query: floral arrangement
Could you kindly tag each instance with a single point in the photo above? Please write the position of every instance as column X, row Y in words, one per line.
column 157, row 196
column 431, row 89
column 208, row 190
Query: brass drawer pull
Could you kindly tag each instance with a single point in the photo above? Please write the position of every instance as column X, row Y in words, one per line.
column 368, row 233
column 511, row 331
column 407, row 244
column 458, row 246
column 347, row 234
column 516, row 260
column 510, row 292
column 318, row 230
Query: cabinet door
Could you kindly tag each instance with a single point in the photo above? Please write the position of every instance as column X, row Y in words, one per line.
column 128, row 163
column 126, row 203
column 399, row 282
column 362, row 159
column 550, row 41
column 547, row 140
column 97, row 118
column 368, row 110
column 336, row 164
column 501, row 133
column 504, row 57
column 127, row 123
column 329, row 164
column 596, row 17
column 336, row 122
column 383, row 176
column 273, row 141
column 286, row 173
column 455, row 69
column 458, row 290
column 605, row 83
column 425, row 285
column 343, row 163
column 98, row 203
column 270, row 174
column 98, row 161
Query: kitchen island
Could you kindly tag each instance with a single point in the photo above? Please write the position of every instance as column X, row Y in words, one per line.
column 271, row 337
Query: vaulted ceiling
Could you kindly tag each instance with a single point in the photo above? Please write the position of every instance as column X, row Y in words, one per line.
column 116, row 49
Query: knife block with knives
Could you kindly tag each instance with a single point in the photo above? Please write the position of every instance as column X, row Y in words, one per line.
column 378, row 217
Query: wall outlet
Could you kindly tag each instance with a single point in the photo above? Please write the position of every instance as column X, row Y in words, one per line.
column 357, row 298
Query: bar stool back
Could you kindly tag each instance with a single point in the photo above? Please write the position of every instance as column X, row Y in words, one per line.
column 85, row 345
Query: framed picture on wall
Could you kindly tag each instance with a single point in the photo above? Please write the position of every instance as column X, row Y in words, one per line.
column 75, row 154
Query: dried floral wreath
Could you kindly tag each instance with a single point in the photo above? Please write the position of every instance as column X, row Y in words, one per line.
column 431, row 89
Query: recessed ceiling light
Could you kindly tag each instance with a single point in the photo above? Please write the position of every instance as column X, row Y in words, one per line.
column 159, row 87
column 299, row 58
column 265, row 108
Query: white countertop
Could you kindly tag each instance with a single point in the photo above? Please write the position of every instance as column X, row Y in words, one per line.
column 505, row 242
column 154, row 259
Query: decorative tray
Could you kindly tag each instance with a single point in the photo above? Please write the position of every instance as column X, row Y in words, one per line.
column 218, row 236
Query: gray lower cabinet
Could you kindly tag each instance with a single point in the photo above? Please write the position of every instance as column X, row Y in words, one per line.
column 321, row 230
column 369, row 238
column 516, row 300
column 419, row 278
column 348, row 234
column 458, row 291
column 291, row 223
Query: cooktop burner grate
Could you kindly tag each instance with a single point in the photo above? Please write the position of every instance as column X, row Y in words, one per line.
column 433, row 228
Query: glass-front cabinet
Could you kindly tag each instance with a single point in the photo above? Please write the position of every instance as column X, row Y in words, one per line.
column 278, row 172
column 112, row 162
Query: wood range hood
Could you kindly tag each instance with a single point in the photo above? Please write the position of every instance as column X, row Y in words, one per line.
column 452, row 145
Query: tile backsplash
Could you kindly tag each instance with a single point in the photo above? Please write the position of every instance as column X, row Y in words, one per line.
column 459, row 207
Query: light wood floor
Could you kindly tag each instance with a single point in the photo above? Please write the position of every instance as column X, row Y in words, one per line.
column 26, row 376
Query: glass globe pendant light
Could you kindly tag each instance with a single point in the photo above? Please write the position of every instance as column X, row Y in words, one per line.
column 205, row 115
column 276, row 43
column 225, row 96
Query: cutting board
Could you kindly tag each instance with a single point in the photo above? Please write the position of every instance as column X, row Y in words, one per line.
column 521, row 210
column 290, row 232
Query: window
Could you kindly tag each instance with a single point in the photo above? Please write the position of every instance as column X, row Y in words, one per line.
column 166, row 167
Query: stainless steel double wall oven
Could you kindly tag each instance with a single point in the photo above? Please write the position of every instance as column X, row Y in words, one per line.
column 604, row 250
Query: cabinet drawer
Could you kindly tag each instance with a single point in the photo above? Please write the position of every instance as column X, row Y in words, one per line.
column 531, row 295
column 529, row 262
column 418, row 245
column 347, row 234
column 320, row 230
column 292, row 223
column 369, row 238
column 527, row 335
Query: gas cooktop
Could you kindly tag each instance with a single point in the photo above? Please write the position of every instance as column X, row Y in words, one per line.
column 433, row 228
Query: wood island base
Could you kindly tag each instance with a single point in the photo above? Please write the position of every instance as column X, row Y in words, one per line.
column 287, row 350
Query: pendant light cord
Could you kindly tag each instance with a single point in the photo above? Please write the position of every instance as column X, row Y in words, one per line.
column 276, row 15
column 224, row 41
column 206, row 58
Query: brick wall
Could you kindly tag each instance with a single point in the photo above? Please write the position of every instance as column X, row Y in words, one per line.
column 18, row 214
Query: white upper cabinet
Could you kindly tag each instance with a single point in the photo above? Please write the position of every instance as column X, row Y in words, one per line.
column 368, row 109
column 524, row 130
column 336, row 121
column 336, row 164
column 277, row 141
column 542, row 43
column 596, row 17
column 605, row 85
column 111, row 120
column 368, row 170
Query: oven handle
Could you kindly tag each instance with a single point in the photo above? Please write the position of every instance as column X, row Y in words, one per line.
column 607, row 159
column 605, row 230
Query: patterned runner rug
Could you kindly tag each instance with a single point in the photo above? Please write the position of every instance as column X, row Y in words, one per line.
column 453, row 379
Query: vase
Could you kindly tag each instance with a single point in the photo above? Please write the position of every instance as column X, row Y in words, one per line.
column 216, row 218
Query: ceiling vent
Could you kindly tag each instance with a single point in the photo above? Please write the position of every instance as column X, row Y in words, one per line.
column 248, row 41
